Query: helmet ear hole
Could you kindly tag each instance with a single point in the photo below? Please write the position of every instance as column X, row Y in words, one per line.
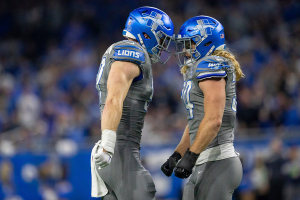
column 146, row 36
column 208, row 43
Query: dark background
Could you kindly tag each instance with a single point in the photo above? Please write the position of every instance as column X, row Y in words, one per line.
column 49, row 114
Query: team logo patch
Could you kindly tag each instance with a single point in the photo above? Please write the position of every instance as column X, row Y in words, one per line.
column 129, row 53
column 154, row 20
column 214, row 65
column 204, row 26
column 221, row 36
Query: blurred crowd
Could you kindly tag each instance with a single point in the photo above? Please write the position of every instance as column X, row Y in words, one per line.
column 48, row 180
column 273, row 175
column 50, row 52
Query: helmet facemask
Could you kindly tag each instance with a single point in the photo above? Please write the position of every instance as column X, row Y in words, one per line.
column 184, row 47
column 160, row 52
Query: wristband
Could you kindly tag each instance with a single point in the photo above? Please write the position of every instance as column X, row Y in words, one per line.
column 176, row 155
column 108, row 140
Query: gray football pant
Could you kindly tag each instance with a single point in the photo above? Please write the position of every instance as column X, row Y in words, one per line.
column 125, row 177
column 215, row 180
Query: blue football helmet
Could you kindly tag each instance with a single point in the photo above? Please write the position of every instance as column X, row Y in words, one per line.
column 205, row 32
column 153, row 29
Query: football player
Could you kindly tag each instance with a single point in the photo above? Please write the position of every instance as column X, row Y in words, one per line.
column 125, row 87
column 210, row 73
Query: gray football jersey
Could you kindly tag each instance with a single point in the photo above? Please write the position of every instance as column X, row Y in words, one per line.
column 193, row 97
column 140, row 92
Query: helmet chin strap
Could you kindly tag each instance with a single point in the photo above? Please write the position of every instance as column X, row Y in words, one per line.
column 157, row 39
column 189, row 62
column 210, row 51
column 153, row 58
column 141, row 41
column 221, row 47
column 127, row 34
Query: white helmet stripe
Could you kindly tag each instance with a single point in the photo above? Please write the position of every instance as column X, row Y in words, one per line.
column 141, row 41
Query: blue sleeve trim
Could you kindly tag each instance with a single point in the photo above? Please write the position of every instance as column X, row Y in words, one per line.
column 204, row 69
column 128, row 60
column 212, row 75
column 139, row 77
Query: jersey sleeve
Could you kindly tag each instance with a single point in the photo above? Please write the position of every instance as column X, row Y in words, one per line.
column 129, row 53
column 211, row 68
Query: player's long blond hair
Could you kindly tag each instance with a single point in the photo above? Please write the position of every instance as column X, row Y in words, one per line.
column 226, row 54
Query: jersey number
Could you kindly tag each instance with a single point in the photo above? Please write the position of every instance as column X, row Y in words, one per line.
column 150, row 99
column 99, row 75
column 233, row 104
column 185, row 96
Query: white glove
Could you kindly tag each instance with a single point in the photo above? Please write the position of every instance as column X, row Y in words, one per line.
column 101, row 158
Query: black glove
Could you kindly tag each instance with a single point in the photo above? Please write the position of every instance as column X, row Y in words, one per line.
column 169, row 165
column 185, row 166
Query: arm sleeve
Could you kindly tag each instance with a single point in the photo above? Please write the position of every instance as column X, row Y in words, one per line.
column 211, row 69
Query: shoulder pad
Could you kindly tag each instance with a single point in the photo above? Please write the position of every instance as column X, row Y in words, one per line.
column 212, row 63
column 109, row 49
column 211, row 66
column 130, row 52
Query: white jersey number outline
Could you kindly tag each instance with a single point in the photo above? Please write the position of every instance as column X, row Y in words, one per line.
column 147, row 103
column 185, row 96
column 99, row 75
column 233, row 104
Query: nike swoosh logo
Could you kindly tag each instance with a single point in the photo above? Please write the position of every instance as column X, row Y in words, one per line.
column 199, row 172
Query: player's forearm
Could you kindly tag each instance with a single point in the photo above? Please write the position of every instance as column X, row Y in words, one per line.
column 112, row 114
column 184, row 143
column 207, row 131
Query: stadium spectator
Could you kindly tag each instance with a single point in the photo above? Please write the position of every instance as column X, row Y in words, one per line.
column 292, row 172
column 260, row 179
column 274, row 163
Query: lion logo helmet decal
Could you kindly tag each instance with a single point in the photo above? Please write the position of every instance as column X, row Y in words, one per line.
column 154, row 20
column 204, row 27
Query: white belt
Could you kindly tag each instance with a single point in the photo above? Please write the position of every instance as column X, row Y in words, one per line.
column 220, row 152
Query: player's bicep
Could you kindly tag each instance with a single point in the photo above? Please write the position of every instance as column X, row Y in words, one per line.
column 120, row 78
column 214, row 97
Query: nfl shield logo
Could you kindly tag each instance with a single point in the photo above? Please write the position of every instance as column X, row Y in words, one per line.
column 129, row 23
column 221, row 36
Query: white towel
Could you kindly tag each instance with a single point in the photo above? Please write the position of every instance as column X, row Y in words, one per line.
column 99, row 188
